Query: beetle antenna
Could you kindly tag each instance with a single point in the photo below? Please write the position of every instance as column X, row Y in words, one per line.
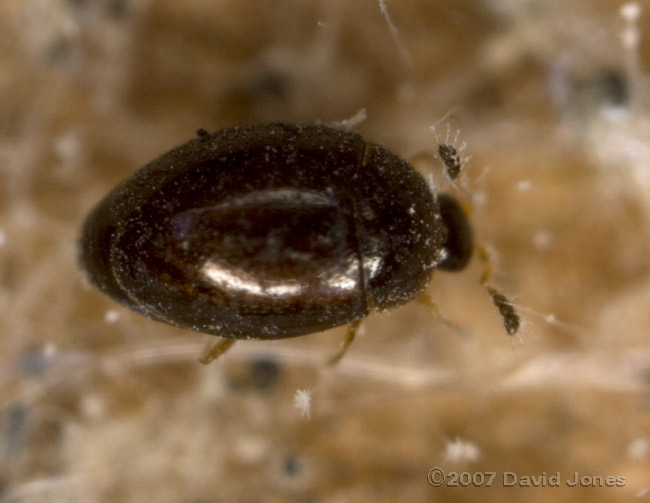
column 511, row 320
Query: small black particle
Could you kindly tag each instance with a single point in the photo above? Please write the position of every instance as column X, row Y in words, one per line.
column 292, row 466
column 33, row 362
column 78, row 4
column 117, row 9
column 451, row 159
column 272, row 83
column 13, row 425
column 614, row 88
column 264, row 374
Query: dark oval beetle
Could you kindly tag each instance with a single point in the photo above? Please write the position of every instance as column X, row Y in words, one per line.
column 270, row 231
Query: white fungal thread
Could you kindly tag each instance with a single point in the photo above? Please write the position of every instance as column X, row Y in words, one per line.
column 401, row 47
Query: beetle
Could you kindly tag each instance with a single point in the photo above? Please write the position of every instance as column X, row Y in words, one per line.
column 269, row 231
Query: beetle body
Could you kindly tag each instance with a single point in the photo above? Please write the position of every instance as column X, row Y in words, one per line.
column 270, row 231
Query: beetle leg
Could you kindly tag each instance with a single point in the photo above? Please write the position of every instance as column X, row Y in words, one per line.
column 215, row 350
column 353, row 329
column 425, row 298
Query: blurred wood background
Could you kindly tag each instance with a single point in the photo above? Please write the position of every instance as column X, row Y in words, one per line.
column 551, row 97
